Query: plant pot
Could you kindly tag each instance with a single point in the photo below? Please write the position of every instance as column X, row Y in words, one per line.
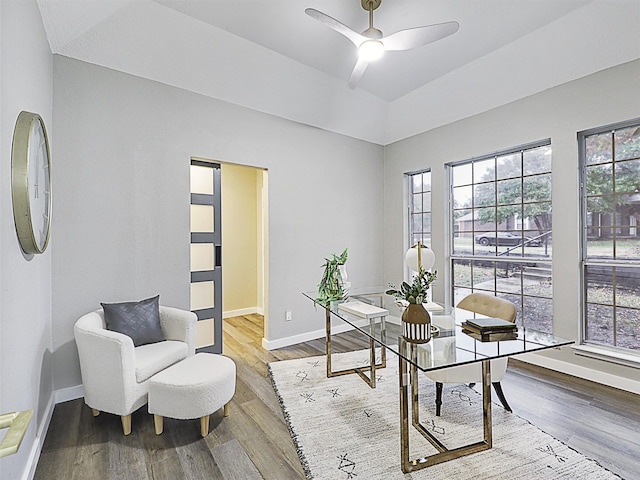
column 416, row 324
column 333, row 304
column 343, row 280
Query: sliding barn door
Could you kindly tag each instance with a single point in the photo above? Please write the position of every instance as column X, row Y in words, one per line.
column 206, row 255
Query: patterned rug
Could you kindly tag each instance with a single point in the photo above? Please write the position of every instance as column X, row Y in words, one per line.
column 345, row 430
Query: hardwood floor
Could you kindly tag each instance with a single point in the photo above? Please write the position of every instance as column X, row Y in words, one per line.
column 254, row 442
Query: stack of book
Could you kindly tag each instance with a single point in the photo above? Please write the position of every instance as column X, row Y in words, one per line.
column 490, row 329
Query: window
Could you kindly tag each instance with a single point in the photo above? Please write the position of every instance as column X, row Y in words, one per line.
column 501, row 230
column 610, row 165
column 420, row 208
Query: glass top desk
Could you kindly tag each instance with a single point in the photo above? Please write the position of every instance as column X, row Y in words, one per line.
column 377, row 316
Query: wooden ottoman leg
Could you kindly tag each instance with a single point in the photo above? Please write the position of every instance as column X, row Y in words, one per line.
column 95, row 412
column 204, row 425
column 126, row 424
column 157, row 422
column 226, row 409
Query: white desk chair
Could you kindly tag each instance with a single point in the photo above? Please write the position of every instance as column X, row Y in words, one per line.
column 491, row 307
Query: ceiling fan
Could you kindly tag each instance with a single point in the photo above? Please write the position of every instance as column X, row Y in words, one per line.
column 372, row 45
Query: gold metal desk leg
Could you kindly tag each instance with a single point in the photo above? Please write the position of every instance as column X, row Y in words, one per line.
column 327, row 316
column 486, row 403
column 408, row 374
column 372, row 354
column 371, row 379
column 403, row 378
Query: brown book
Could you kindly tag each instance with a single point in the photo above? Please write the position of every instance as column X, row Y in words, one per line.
column 492, row 337
column 472, row 328
column 490, row 324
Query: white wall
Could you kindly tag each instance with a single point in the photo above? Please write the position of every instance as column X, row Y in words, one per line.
column 606, row 97
column 25, row 281
column 240, row 239
column 122, row 198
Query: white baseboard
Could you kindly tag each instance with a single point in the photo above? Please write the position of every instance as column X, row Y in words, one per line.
column 38, row 442
column 57, row 396
column 70, row 393
column 303, row 337
column 581, row 372
column 241, row 311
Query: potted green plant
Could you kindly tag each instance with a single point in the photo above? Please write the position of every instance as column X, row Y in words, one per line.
column 415, row 292
column 416, row 322
column 331, row 285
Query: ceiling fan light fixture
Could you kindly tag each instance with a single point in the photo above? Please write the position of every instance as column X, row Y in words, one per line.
column 371, row 50
column 372, row 44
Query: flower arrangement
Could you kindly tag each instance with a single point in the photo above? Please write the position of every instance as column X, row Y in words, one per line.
column 417, row 290
column 331, row 286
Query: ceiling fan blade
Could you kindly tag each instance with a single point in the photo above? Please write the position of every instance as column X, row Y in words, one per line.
column 419, row 36
column 357, row 73
column 341, row 28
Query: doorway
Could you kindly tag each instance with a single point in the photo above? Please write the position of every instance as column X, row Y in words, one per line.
column 240, row 223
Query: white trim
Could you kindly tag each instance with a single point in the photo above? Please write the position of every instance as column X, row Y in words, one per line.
column 608, row 355
column 303, row 337
column 70, row 393
column 260, row 311
column 57, row 396
column 240, row 312
column 38, row 441
column 582, row 372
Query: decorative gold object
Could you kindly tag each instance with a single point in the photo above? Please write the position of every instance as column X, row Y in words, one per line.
column 17, row 423
column 31, row 182
column 416, row 324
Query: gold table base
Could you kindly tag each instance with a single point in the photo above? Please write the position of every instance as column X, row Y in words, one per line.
column 17, row 423
column 371, row 378
column 444, row 454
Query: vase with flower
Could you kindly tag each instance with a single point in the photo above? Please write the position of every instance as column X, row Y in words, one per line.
column 416, row 321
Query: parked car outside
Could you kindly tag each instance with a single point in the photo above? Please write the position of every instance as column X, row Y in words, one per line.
column 507, row 239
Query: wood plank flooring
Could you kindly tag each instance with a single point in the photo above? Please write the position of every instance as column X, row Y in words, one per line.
column 254, row 442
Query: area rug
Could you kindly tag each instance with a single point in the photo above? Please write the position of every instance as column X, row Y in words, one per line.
column 343, row 429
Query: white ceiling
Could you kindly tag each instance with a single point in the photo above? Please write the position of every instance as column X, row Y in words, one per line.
column 272, row 57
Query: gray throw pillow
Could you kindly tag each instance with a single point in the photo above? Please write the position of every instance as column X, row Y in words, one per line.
column 138, row 320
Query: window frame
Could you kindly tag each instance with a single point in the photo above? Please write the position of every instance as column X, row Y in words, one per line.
column 409, row 196
column 497, row 258
column 617, row 354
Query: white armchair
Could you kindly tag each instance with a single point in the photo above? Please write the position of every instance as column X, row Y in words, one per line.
column 489, row 306
column 115, row 374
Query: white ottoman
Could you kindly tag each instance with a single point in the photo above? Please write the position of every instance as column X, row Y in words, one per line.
column 193, row 388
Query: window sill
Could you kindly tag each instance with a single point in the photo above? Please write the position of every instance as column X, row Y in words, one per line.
column 608, row 355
